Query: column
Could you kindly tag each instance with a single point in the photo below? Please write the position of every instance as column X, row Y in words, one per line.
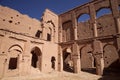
column 76, row 58
column 115, row 12
column 118, row 46
column 3, row 62
column 98, row 55
column 99, row 65
column 74, row 22
column 118, row 25
column 26, row 59
column 27, row 47
column 93, row 22
column 60, row 59
column 60, row 38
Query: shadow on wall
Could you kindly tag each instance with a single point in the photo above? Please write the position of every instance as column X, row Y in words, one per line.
column 112, row 72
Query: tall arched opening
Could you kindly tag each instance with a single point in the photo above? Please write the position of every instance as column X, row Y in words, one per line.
column 67, row 60
column 68, row 31
column 83, row 18
column 111, row 59
column 14, row 56
column 36, row 59
column 87, row 59
column 102, row 12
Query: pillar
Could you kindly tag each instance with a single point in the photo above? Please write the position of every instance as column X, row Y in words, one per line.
column 118, row 46
column 26, row 59
column 74, row 22
column 60, row 59
column 98, row 55
column 3, row 62
column 99, row 65
column 76, row 58
column 4, row 55
column 118, row 25
column 19, row 64
column 60, row 38
column 93, row 19
column 27, row 47
column 115, row 12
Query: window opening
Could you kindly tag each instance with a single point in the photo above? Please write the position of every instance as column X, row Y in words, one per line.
column 103, row 11
column 13, row 63
column 48, row 37
column 34, row 59
column 38, row 33
column 83, row 18
column 53, row 62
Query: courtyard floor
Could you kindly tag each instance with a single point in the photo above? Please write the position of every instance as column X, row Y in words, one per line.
column 63, row 76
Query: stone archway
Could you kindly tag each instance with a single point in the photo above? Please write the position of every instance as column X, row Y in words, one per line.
column 111, row 57
column 67, row 60
column 87, row 59
column 36, row 59
column 14, row 58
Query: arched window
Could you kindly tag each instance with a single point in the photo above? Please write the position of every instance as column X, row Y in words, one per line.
column 53, row 62
column 51, row 36
column 49, row 33
column 103, row 11
column 83, row 18
column 14, row 53
column 68, row 31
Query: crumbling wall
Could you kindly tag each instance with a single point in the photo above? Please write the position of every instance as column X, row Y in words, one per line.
column 16, row 22
column 85, row 31
column 106, row 25
column 20, row 30
column 86, row 56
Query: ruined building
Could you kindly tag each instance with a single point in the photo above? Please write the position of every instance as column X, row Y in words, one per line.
column 60, row 42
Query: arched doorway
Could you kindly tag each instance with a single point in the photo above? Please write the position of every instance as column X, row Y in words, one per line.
column 87, row 59
column 111, row 59
column 36, row 58
column 67, row 60
column 13, row 60
column 14, row 54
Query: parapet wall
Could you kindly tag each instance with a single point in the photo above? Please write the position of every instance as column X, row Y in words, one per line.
column 14, row 21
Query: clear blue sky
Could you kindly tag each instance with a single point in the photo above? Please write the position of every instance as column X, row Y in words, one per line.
column 35, row 8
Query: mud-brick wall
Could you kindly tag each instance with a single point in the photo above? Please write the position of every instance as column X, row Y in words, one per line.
column 85, row 31
column 14, row 21
column 86, row 56
column 106, row 25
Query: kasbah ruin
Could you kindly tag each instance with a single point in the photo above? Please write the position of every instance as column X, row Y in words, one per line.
column 60, row 42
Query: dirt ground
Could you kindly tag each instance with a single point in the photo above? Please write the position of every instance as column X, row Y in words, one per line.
column 63, row 76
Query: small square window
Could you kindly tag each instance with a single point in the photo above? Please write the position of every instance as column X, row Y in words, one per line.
column 13, row 63
column 38, row 33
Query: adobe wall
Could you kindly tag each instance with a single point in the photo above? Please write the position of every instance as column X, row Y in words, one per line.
column 94, row 37
column 14, row 21
column 26, row 46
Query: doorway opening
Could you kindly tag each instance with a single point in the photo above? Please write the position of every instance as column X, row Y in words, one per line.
column 111, row 60
column 36, row 58
column 53, row 62
column 67, row 61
